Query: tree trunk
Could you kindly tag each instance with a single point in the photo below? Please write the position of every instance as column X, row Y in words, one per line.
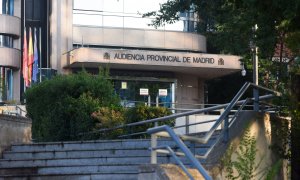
column 295, row 128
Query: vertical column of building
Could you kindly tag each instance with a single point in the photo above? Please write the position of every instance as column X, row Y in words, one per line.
column 10, row 31
column 61, row 27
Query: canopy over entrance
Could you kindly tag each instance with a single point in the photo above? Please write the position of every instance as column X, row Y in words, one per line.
column 206, row 66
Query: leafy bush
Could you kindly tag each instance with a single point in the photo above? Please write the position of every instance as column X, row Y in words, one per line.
column 109, row 118
column 142, row 112
column 244, row 166
column 61, row 108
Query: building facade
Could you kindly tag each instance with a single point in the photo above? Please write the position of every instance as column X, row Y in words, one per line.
column 164, row 66
column 10, row 54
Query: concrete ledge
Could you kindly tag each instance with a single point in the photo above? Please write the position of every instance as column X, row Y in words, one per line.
column 10, row 57
column 10, row 25
column 165, row 172
column 14, row 129
column 18, row 119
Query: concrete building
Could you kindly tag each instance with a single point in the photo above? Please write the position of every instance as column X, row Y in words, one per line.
column 10, row 54
column 152, row 65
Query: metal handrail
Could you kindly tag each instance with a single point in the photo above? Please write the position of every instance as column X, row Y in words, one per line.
column 166, row 131
column 175, row 127
column 219, row 137
column 173, row 154
column 20, row 110
column 238, row 111
column 176, row 115
column 162, row 130
column 233, row 102
column 182, row 146
column 230, row 105
column 17, row 110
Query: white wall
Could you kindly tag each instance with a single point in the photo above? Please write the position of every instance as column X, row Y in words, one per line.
column 60, row 33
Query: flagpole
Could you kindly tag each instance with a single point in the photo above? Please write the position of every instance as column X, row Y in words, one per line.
column 24, row 80
column 24, row 25
column 40, row 47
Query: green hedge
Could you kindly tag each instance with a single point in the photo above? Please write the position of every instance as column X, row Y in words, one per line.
column 68, row 107
column 109, row 118
column 142, row 112
column 61, row 108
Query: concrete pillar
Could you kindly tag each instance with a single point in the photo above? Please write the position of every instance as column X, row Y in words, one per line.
column 190, row 90
column 16, row 85
column 61, row 24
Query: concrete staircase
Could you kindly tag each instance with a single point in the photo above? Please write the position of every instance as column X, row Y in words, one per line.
column 114, row 159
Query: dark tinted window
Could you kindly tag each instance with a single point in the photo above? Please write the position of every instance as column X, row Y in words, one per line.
column 6, row 41
column 33, row 10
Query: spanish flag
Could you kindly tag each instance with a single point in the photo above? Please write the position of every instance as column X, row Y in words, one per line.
column 25, row 60
column 30, row 56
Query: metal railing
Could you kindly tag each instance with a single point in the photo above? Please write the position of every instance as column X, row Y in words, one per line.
column 166, row 131
column 176, row 115
column 181, row 145
column 13, row 109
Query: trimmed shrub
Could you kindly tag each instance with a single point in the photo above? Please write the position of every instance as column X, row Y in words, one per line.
column 61, row 108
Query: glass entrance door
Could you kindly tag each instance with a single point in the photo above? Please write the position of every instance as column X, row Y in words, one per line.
column 154, row 93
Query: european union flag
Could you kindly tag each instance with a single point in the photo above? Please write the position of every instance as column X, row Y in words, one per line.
column 35, row 59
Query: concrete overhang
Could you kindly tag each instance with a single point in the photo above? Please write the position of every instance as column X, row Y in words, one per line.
column 138, row 38
column 205, row 66
column 10, row 57
column 10, row 25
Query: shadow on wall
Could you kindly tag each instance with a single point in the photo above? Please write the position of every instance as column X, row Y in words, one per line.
column 14, row 129
column 258, row 131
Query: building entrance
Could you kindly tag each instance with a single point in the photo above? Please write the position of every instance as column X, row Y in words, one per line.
column 151, row 93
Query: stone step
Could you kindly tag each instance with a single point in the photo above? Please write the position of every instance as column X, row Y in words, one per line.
column 84, row 161
column 84, row 145
column 106, row 161
column 110, row 168
column 96, row 145
column 12, row 171
column 101, row 159
column 133, row 168
column 11, row 155
column 85, row 176
column 74, row 162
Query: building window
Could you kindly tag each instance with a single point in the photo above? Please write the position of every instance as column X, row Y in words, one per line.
column 7, row 7
column 33, row 10
column 6, row 84
column 6, row 41
column 120, row 14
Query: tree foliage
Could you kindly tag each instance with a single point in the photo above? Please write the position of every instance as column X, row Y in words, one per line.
column 228, row 23
column 61, row 108
column 228, row 26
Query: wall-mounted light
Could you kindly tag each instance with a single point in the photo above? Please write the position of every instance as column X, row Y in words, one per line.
column 243, row 72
